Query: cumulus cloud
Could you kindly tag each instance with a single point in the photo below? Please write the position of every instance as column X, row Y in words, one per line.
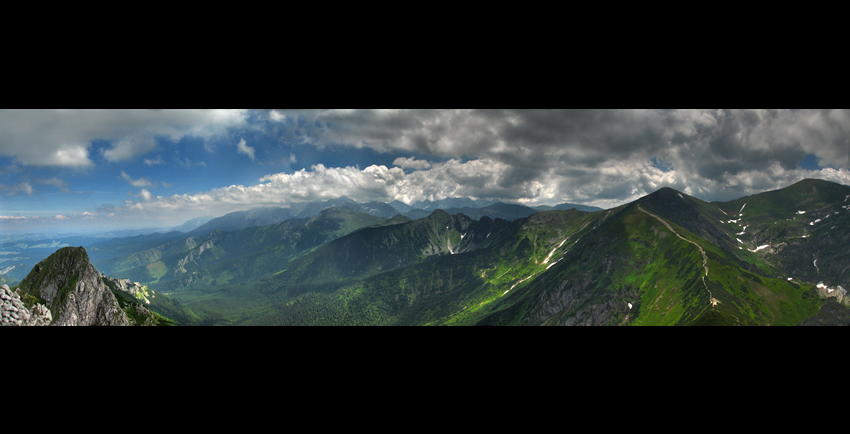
column 474, row 178
column 243, row 148
column 145, row 194
column 186, row 162
column 63, row 137
column 141, row 182
column 411, row 163
column 157, row 161
column 276, row 116
column 596, row 157
column 128, row 148
column 609, row 185
column 54, row 181
column 23, row 187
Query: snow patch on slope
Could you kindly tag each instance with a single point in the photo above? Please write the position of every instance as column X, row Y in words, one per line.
column 546, row 261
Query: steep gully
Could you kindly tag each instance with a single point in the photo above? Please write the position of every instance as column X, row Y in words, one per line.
column 712, row 300
column 550, row 257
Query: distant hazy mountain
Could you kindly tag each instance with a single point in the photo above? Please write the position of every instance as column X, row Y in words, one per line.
column 6, row 280
column 400, row 206
column 221, row 257
column 128, row 233
column 506, row 211
column 452, row 202
column 500, row 210
column 416, row 214
column 268, row 216
column 566, row 206
column 479, row 208
column 245, row 219
column 378, row 209
column 193, row 224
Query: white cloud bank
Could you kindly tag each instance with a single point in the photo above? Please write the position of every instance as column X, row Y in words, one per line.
column 475, row 178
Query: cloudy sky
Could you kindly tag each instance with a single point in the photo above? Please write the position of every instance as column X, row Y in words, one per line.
column 67, row 170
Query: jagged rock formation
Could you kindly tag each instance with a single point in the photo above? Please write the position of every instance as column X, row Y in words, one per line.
column 77, row 294
column 135, row 289
column 13, row 312
column 839, row 293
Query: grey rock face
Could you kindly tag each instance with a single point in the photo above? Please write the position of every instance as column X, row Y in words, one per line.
column 140, row 292
column 90, row 303
column 14, row 313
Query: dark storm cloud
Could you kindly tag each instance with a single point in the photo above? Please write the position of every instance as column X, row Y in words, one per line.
column 710, row 151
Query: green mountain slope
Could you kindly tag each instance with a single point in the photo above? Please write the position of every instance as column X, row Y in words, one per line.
column 373, row 250
column 221, row 257
column 636, row 259
column 438, row 286
column 777, row 234
column 665, row 259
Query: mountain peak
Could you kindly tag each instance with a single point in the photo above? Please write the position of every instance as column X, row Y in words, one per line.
column 74, row 292
column 334, row 210
column 665, row 197
column 667, row 191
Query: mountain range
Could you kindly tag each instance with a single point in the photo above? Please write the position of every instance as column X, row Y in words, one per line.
column 774, row 258
column 271, row 215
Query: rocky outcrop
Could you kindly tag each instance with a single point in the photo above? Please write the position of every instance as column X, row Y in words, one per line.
column 75, row 293
column 190, row 258
column 839, row 293
column 135, row 289
column 13, row 312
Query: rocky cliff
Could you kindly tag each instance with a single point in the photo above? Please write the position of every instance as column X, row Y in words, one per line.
column 13, row 312
column 75, row 293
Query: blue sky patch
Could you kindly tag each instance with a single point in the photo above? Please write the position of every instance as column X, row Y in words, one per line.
column 661, row 164
column 810, row 162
